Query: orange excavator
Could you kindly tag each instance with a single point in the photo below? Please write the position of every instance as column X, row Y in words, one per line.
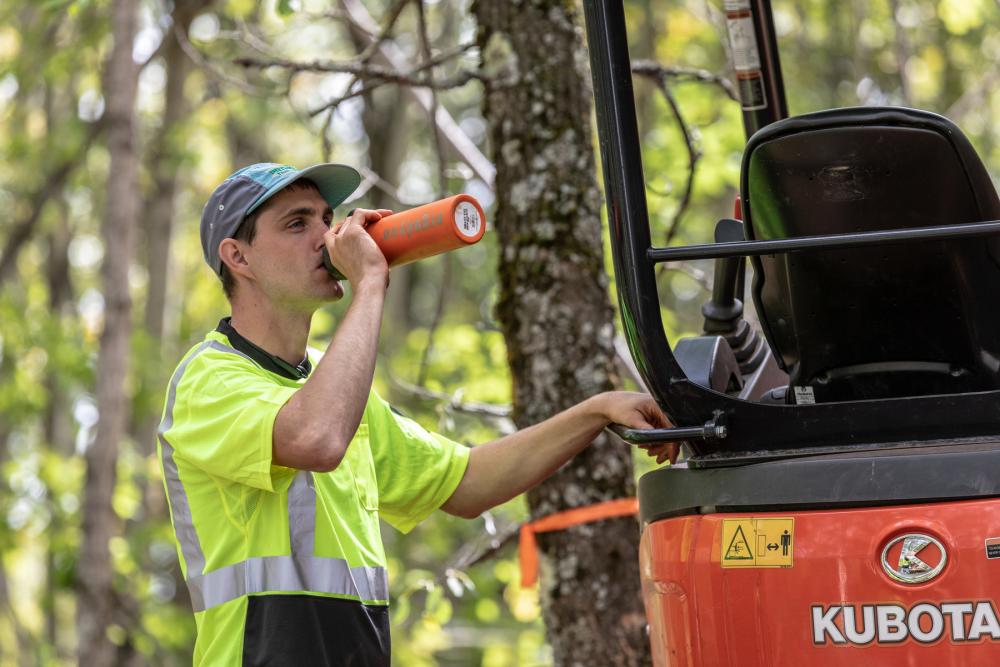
column 839, row 501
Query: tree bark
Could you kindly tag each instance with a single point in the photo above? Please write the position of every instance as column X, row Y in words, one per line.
column 95, row 600
column 556, row 315
column 165, row 161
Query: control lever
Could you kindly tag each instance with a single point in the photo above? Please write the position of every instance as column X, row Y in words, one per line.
column 714, row 429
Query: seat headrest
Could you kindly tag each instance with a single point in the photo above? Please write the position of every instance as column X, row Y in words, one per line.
column 881, row 321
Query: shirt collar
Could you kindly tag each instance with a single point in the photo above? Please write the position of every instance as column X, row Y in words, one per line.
column 267, row 361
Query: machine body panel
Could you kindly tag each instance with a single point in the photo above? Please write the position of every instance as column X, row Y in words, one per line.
column 835, row 604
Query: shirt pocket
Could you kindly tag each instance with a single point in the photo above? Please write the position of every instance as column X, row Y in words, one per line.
column 359, row 457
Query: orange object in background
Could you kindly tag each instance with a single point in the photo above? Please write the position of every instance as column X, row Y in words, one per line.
column 425, row 231
column 528, row 546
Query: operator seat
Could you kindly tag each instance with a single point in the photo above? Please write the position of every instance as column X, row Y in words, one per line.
column 905, row 319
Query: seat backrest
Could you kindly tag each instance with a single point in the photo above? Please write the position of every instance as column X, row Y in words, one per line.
column 893, row 320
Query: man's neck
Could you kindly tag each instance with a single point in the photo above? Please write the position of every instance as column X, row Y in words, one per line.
column 283, row 334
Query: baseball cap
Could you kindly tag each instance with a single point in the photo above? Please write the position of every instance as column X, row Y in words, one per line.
column 246, row 190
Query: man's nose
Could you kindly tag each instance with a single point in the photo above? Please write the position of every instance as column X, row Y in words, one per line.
column 318, row 230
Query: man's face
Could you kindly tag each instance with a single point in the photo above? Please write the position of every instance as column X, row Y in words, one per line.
column 286, row 255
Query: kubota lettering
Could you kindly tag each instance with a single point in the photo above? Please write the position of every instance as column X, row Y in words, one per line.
column 867, row 632
column 925, row 623
column 891, row 629
column 984, row 621
column 823, row 625
column 957, row 611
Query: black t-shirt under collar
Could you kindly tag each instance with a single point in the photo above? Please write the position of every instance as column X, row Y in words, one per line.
column 266, row 360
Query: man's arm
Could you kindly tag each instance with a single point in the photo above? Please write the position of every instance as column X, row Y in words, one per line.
column 508, row 466
column 314, row 428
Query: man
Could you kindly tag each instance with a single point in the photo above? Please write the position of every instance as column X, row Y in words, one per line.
column 278, row 467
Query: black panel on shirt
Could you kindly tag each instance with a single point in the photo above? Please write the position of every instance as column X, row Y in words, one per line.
column 267, row 361
column 300, row 630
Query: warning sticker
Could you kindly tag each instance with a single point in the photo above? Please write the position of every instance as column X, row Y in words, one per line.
column 993, row 547
column 744, row 44
column 759, row 542
column 805, row 396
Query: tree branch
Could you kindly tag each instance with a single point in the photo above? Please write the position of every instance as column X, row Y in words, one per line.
column 390, row 23
column 21, row 231
column 453, row 135
column 660, row 77
column 651, row 69
column 425, row 357
column 368, row 71
column 453, row 401
column 473, row 553
column 202, row 62
column 695, row 274
column 364, row 57
column 425, row 47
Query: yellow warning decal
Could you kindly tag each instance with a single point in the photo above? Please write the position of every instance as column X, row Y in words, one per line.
column 757, row 542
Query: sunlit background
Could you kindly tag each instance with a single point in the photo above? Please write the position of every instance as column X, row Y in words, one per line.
column 443, row 359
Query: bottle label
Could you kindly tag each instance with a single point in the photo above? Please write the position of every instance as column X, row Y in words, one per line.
column 467, row 220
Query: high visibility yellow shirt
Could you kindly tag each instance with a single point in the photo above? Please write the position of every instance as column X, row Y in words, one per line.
column 286, row 566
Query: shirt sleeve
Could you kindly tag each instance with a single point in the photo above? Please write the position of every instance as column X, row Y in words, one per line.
column 222, row 421
column 417, row 471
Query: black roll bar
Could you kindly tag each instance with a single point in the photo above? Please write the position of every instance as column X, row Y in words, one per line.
column 825, row 242
column 626, row 198
column 752, row 429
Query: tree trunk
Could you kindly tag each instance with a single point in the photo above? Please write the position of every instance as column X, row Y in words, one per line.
column 556, row 315
column 58, row 425
column 96, row 598
column 165, row 161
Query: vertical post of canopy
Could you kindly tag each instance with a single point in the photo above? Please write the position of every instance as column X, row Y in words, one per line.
column 626, row 200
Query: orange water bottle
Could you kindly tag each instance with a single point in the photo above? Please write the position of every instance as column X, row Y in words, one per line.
column 424, row 231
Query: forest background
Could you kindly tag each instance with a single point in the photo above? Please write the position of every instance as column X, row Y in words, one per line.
column 118, row 118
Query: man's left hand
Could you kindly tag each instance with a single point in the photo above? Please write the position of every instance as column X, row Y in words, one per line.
column 640, row 411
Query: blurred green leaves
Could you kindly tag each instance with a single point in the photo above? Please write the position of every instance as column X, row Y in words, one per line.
column 51, row 54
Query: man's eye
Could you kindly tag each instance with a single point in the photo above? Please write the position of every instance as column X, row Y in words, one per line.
column 328, row 220
column 297, row 223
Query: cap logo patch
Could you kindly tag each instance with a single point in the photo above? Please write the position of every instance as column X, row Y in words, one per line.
column 280, row 170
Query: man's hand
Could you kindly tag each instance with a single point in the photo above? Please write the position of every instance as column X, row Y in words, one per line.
column 315, row 427
column 352, row 249
column 639, row 411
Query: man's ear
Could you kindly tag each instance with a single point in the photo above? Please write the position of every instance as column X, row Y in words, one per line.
column 231, row 254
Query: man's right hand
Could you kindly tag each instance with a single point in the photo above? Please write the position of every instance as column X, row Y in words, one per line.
column 354, row 252
column 315, row 426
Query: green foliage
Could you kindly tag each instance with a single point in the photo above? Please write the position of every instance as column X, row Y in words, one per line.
column 51, row 58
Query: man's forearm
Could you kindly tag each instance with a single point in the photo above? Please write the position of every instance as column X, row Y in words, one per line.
column 508, row 466
column 313, row 429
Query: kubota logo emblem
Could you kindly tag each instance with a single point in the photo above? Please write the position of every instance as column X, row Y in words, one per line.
column 908, row 559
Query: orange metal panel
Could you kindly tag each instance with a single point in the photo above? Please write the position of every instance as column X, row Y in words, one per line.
column 703, row 614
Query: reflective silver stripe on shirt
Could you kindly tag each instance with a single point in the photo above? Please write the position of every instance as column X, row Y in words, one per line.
column 194, row 557
column 293, row 574
column 302, row 571
column 302, row 514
